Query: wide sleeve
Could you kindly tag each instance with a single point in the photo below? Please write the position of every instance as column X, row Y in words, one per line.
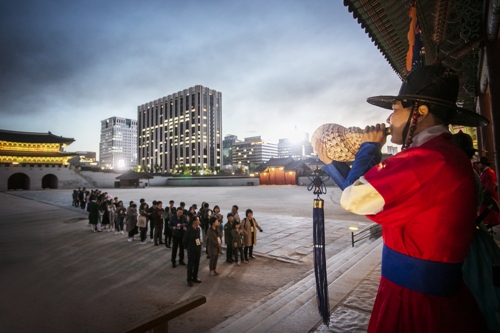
column 369, row 155
column 362, row 198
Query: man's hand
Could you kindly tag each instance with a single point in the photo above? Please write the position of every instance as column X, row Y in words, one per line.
column 374, row 134
column 321, row 151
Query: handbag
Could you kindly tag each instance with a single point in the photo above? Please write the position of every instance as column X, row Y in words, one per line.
column 142, row 222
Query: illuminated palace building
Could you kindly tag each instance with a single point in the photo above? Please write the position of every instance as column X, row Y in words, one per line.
column 181, row 130
column 118, row 146
column 32, row 160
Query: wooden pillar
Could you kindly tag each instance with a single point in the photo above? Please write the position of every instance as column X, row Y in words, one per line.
column 493, row 62
column 485, row 134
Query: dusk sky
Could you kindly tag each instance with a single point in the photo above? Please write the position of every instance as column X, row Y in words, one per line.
column 67, row 65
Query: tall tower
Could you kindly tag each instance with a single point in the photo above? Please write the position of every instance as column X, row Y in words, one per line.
column 118, row 146
column 183, row 129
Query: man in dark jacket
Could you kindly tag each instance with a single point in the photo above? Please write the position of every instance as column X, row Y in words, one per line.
column 157, row 217
column 228, row 238
column 178, row 225
column 166, row 216
column 192, row 243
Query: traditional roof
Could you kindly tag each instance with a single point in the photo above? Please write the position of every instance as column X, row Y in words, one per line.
column 446, row 26
column 34, row 153
column 33, row 137
column 130, row 175
column 288, row 163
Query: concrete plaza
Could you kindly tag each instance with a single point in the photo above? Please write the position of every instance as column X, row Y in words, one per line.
column 59, row 276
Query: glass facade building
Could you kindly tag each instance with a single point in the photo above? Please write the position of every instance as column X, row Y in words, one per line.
column 118, row 146
column 183, row 129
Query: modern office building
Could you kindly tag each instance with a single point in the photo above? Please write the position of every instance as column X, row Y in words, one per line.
column 118, row 146
column 297, row 148
column 227, row 149
column 254, row 151
column 183, row 129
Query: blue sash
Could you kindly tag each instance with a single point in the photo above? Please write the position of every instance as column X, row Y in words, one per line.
column 423, row 276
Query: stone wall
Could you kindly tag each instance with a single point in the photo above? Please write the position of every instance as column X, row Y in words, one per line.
column 213, row 181
column 66, row 177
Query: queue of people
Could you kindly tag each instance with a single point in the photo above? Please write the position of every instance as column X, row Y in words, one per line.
column 177, row 228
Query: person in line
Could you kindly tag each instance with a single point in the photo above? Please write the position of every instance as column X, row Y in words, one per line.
column 234, row 210
column 205, row 214
column 143, row 231
column 112, row 215
column 151, row 222
column 220, row 218
column 166, row 216
column 75, row 198
column 178, row 226
column 81, row 198
column 249, row 224
column 157, row 217
column 132, row 221
column 237, row 234
column 93, row 209
column 121, row 212
column 228, row 237
column 214, row 244
column 425, row 198
column 192, row 243
column 104, row 212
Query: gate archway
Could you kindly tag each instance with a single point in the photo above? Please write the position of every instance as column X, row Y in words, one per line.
column 49, row 181
column 18, row 181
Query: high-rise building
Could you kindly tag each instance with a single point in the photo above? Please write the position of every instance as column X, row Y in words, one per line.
column 254, row 151
column 227, row 148
column 118, row 146
column 297, row 148
column 183, row 129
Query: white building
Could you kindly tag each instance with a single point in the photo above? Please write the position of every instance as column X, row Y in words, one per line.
column 253, row 150
column 118, row 146
column 298, row 148
column 183, row 129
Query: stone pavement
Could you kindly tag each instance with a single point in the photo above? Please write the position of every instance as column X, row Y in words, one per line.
column 58, row 276
column 283, row 212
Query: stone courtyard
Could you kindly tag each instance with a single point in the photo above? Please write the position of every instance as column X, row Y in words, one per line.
column 58, row 276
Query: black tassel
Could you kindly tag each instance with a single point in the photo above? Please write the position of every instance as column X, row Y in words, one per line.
column 320, row 261
column 318, row 187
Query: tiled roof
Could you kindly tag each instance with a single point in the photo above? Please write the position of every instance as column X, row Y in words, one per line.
column 35, row 153
column 445, row 25
column 288, row 163
column 32, row 137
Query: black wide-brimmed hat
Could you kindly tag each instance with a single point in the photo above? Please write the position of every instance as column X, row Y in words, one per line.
column 464, row 141
column 484, row 160
column 433, row 85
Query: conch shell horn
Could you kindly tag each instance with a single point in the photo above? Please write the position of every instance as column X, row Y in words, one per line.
column 341, row 143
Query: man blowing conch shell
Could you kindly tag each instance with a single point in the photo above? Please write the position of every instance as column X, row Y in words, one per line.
column 425, row 198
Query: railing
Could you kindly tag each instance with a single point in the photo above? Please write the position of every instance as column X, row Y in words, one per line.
column 372, row 231
column 158, row 323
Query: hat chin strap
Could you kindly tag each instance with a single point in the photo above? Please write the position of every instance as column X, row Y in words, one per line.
column 410, row 127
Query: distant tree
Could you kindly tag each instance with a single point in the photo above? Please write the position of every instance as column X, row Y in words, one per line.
column 252, row 166
column 240, row 171
column 157, row 168
column 186, row 170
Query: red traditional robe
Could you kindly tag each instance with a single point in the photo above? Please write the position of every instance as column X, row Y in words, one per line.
column 488, row 184
column 429, row 208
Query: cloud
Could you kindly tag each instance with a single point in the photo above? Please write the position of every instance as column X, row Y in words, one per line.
column 278, row 64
